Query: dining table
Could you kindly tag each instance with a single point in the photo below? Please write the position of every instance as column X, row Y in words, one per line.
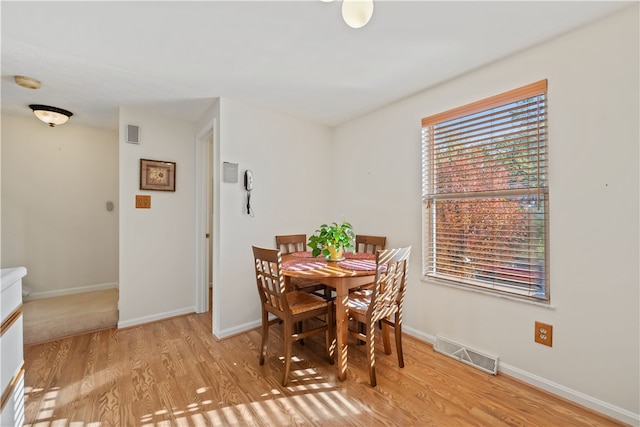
column 355, row 269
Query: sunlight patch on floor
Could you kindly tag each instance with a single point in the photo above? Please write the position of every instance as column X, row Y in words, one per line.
column 310, row 397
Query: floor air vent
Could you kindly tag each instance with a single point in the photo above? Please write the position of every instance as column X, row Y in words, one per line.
column 466, row 355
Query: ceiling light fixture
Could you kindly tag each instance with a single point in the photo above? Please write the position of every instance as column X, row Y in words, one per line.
column 51, row 115
column 356, row 13
column 28, row 82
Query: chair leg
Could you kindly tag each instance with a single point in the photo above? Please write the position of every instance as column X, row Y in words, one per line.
column 398, row 332
column 363, row 330
column 265, row 336
column 371, row 349
column 385, row 338
column 288, row 343
column 298, row 329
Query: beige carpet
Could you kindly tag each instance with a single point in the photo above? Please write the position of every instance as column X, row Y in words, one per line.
column 50, row 318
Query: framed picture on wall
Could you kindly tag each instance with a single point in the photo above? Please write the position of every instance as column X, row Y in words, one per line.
column 157, row 175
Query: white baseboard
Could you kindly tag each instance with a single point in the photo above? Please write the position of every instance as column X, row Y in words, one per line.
column 155, row 317
column 431, row 339
column 70, row 291
column 554, row 388
column 572, row 395
column 227, row 333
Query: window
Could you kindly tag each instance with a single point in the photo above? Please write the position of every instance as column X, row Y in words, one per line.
column 485, row 194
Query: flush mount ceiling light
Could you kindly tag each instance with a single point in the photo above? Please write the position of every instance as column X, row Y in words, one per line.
column 356, row 13
column 28, row 82
column 51, row 115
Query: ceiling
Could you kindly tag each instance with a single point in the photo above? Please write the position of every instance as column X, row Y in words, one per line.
column 295, row 57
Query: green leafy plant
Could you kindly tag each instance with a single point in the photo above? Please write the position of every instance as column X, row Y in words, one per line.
column 335, row 235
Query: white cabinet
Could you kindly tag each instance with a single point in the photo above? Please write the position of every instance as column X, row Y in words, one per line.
column 11, row 350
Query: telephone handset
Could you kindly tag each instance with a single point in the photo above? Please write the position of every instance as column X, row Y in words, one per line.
column 248, row 185
column 248, row 180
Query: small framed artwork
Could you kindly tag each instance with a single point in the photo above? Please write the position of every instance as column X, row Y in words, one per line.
column 157, row 175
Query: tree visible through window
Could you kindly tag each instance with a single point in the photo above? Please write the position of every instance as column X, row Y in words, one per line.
column 485, row 194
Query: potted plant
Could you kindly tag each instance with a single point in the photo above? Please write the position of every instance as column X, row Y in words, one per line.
column 331, row 240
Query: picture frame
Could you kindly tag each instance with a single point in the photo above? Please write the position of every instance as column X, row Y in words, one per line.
column 157, row 175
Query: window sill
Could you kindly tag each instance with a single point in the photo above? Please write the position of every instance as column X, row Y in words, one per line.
column 468, row 288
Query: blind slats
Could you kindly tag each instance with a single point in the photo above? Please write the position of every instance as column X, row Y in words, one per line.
column 508, row 137
column 515, row 95
column 484, row 187
column 531, row 107
column 495, row 122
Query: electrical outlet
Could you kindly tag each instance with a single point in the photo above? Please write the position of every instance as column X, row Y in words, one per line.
column 544, row 334
column 143, row 202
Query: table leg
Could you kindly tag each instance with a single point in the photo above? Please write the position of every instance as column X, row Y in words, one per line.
column 342, row 319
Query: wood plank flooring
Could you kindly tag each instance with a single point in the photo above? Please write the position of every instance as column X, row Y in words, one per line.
column 173, row 373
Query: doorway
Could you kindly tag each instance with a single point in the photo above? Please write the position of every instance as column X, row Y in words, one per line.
column 207, row 220
column 209, row 213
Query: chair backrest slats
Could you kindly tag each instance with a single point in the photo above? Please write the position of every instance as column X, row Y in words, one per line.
column 269, row 278
column 370, row 244
column 389, row 287
column 291, row 243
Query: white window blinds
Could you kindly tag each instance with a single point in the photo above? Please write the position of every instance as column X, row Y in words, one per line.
column 485, row 194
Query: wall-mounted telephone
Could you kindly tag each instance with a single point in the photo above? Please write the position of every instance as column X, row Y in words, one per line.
column 248, row 185
column 248, row 180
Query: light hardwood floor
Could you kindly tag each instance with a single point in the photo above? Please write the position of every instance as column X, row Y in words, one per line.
column 173, row 373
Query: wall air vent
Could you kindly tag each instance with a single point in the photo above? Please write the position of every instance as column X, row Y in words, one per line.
column 471, row 357
column 133, row 134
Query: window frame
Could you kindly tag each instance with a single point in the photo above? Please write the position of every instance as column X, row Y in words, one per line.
column 430, row 197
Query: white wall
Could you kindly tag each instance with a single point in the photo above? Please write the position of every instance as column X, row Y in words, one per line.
column 594, row 200
column 55, row 186
column 374, row 183
column 288, row 158
column 157, row 245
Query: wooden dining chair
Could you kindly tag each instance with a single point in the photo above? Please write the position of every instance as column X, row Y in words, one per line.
column 291, row 243
column 292, row 308
column 381, row 302
column 370, row 244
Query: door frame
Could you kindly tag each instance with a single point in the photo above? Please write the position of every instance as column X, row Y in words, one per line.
column 202, row 161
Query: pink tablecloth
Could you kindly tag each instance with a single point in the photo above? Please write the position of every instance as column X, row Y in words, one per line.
column 353, row 264
column 347, row 255
column 302, row 254
column 359, row 255
column 302, row 265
